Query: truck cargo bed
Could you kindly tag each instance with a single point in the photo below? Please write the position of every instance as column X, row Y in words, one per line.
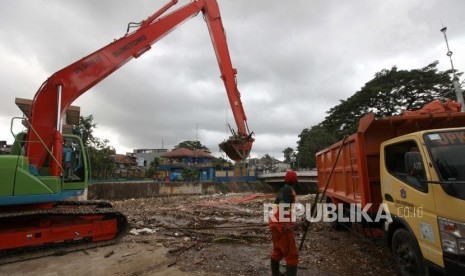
column 356, row 177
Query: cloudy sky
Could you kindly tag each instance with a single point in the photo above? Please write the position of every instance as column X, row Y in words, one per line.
column 295, row 60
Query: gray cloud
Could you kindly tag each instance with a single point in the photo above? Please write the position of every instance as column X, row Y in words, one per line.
column 295, row 60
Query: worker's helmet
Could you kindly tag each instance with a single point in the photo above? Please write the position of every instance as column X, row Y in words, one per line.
column 290, row 177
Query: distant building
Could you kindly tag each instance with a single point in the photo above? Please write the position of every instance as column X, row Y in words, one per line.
column 127, row 161
column 70, row 118
column 256, row 163
column 280, row 166
column 263, row 165
column 126, row 166
column 182, row 158
column 145, row 156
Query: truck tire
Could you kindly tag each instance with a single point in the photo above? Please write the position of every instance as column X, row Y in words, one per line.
column 407, row 254
column 334, row 224
column 337, row 226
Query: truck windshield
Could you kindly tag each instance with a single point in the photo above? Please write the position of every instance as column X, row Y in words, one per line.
column 447, row 151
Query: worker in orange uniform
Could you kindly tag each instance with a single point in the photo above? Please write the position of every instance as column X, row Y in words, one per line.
column 282, row 232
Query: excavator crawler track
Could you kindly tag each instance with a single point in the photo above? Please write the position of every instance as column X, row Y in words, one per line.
column 58, row 228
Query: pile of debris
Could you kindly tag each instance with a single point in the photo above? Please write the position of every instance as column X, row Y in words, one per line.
column 226, row 234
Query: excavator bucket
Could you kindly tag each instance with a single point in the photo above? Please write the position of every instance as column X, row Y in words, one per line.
column 237, row 147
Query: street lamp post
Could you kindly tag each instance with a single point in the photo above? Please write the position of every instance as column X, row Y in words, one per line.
column 293, row 159
column 455, row 80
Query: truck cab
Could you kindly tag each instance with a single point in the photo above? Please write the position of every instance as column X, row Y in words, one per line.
column 422, row 178
column 413, row 166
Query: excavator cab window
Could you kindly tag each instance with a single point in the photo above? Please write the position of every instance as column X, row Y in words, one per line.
column 73, row 162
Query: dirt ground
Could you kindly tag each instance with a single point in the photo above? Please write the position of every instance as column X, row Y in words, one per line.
column 220, row 234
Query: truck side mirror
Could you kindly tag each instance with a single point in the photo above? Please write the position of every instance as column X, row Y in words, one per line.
column 414, row 164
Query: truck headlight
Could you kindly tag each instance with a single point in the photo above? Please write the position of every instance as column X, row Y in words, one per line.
column 452, row 236
column 461, row 246
column 449, row 243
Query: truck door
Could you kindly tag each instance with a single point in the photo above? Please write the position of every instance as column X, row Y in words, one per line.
column 408, row 194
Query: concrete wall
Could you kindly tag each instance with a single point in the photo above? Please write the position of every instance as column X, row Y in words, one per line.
column 122, row 190
column 126, row 190
column 176, row 188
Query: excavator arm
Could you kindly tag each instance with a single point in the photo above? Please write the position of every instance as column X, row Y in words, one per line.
column 59, row 91
column 238, row 146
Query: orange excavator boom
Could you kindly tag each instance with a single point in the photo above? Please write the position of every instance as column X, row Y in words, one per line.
column 60, row 90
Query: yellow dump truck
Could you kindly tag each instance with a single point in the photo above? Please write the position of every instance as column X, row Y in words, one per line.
column 413, row 167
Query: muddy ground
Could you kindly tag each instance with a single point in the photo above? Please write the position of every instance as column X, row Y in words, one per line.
column 220, row 234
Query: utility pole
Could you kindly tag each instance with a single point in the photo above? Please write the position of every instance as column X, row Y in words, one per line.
column 455, row 79
column 196, row 130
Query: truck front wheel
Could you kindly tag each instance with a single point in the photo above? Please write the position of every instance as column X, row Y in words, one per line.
column 406, row 253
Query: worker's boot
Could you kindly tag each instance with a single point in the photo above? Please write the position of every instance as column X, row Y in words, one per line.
column 291, row 270
column 275, row 268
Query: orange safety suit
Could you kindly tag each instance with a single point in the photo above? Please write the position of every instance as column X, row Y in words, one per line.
column 282, row 233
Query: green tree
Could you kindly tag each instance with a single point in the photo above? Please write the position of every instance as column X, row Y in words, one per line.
column 288, row 152
column 101, row 158
column 100, row 151
column 220, row 163
column 85, row 129
column 389, row 93
column 267, row 161
column 310, row 142
column 153, row 167
column 190, row 174
column 192, row 145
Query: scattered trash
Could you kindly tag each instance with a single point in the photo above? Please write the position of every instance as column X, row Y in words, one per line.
column 225, row 234
column 137, row 232
column 109, row 254
column 227, row 239
column 172, row 263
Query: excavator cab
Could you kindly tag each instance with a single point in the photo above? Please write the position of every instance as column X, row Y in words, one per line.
column 31, row 185
column 75, row 161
